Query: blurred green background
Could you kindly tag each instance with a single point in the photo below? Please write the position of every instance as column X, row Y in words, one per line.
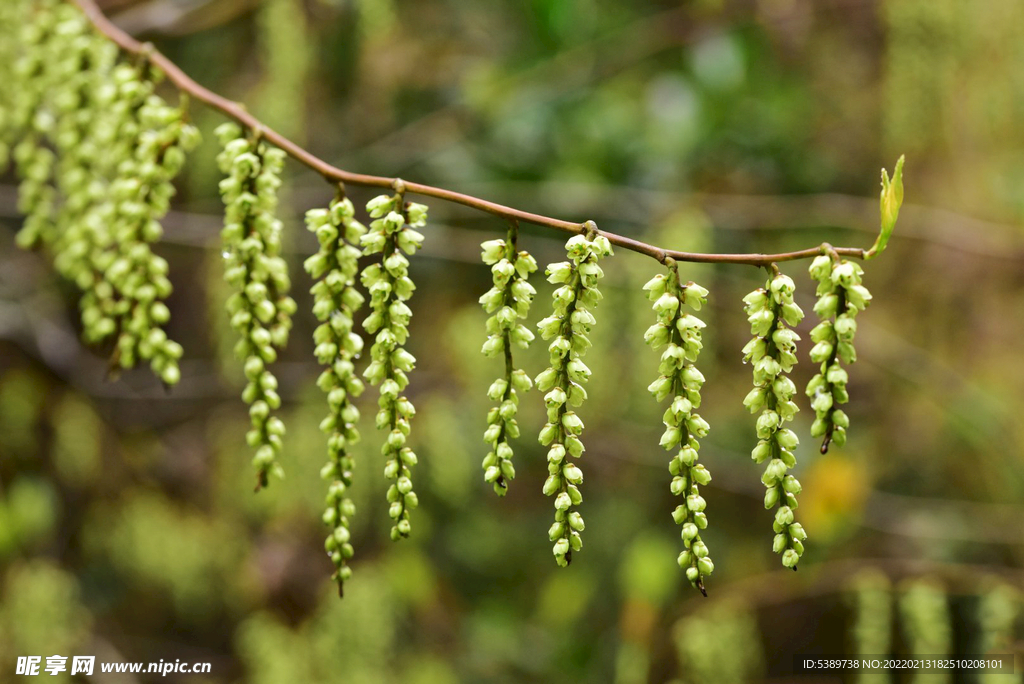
column 128, row 526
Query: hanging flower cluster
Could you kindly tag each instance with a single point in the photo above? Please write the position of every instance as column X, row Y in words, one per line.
column 33, row 60
column 36, row 106
column 97, row 153
column 11, row 14
column 392, row 232
column 507, row 302
column 840, row 298
column 574, row 301
column 87, row 174
column 142, row 193
column 680, row 333
column 335, row 301
column 260, row 308
column 772, row 353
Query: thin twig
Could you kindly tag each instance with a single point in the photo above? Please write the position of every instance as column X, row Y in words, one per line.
column 333, row 174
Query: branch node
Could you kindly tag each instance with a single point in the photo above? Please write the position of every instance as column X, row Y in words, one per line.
column 184, row 104
column 830, row 251
column 399, row 186
column 513, row 233
column 144, row 61
column 146, row 52
column 590, row 229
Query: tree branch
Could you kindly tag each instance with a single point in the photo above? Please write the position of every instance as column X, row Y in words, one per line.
column 238, row 112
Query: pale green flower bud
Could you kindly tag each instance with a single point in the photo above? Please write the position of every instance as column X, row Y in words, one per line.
column 681, row 514
column 767, row 423
column 845, row 327
column 572, row 423
column 576, row 521
column 780, row 543
column 782, row 286
column 844, row 274
column 761, row 451
column 791, row 313
column 573, row 474
column 858, row 296
column 786, row 438
column 826, row 306
column 655, row 287
column 493, row 251
column 667, row 304
column 559, row 273
column 784, row 516
column 700, row 475
column 677, row 486
column 756, row 300
column 697, row 426
column 821, row 267
column 821, row 352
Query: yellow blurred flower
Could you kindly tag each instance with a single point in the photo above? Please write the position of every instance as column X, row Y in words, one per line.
column 835, row 488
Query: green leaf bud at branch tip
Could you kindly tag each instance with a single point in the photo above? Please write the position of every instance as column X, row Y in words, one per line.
column 393, row 234
column 507, row 301
column 890, row 203
column 337, row 345
column 679, row 332
column 772, row 313
column 260, row 309
column 575, row 298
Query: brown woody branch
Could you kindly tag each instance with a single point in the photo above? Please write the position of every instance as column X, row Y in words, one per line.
column 237, row 111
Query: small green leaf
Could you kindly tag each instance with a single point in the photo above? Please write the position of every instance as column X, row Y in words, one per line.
column 890, row 202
